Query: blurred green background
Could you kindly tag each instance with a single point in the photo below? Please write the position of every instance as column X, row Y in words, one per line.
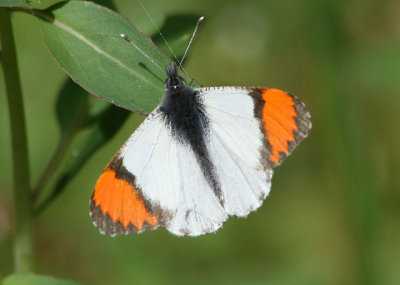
column 333, row 214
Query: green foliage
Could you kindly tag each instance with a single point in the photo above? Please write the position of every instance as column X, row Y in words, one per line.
column 14, row 3
column 33, row 279
column 85, row 40
column 72, row 99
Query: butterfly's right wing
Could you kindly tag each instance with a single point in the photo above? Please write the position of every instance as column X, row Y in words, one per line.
column 155, row 180
column 251, row 130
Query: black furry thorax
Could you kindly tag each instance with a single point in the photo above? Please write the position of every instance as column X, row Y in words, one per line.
column 181, row 106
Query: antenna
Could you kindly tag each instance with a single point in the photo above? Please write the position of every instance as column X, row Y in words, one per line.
column 166, row 43
column 158, row 30
column 199, row 21
column 125, row 37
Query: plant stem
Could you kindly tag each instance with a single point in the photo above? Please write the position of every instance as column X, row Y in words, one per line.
column 23, row 249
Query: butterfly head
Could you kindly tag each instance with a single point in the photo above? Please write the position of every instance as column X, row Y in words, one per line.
column 173, row 81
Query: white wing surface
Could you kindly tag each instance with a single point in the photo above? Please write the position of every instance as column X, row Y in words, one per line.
column 237, row 145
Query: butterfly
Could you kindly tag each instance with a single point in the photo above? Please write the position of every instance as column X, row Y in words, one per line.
column 202, row 155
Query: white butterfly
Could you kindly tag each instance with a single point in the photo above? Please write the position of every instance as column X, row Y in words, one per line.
column 202, row 155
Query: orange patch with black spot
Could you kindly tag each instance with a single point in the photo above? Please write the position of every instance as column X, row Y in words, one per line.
column 119, row 200
column 278, row 115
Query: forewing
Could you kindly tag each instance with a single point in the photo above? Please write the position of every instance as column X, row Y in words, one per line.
column 247, row 130
column 286, row 121
column 132, row 194
column 155, row 180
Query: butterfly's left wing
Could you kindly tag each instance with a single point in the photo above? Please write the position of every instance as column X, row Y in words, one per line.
column 155, row 180
column 118, row 204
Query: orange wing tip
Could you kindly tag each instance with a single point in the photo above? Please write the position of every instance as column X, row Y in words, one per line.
column 117, row 208
column 286, row 122
column 107, row 226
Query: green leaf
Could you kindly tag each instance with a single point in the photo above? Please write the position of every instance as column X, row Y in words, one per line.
column 177, row 30
column 106, row 3
column 96, row 111
column 85, row 39
column 13, row 3
column 33, row 279
column 71, row 99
